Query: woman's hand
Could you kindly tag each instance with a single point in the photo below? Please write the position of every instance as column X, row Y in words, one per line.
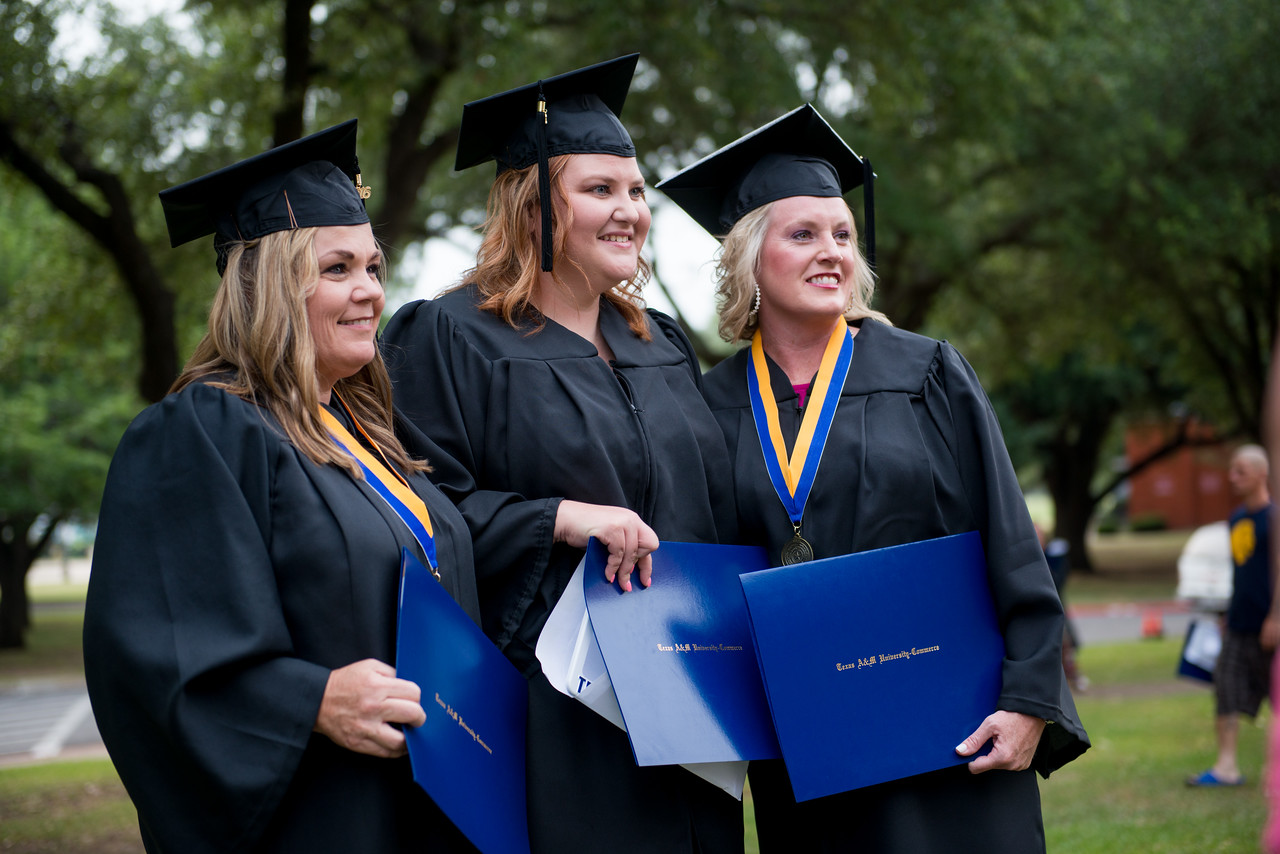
column 361, row 702
column 1014, row 737
column 622, row 531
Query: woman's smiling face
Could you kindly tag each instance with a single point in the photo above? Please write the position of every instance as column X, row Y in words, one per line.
column 346, row 302
column 610, row 218
column 806, row 263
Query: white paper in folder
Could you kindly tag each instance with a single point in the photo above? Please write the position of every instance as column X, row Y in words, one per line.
column 572, row 663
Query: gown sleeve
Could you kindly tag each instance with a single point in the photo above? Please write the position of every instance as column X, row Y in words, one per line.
column 1026, row 601
column 199, row 696
column 442, row 384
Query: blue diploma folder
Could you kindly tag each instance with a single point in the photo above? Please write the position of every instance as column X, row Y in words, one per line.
column 469, row 754
column 680, row 657
column 877, row 664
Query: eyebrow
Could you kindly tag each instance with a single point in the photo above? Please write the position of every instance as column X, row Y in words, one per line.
column 346, row 255
column 605, row 179
column 813, row 224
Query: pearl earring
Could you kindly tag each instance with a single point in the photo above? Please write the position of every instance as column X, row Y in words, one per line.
column 755, row 310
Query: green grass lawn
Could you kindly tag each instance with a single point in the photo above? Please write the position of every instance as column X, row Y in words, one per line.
column 1084, row 589
column 77, row 807
column 1129, row 568
column 71, row 593
column 53, row 650
column 1149, row 731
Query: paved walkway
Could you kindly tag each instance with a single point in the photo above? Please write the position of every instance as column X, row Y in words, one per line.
column 1110, row 623
column 48, row 718
column 45, row 719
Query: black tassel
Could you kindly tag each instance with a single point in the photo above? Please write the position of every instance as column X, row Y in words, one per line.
column 869, row 210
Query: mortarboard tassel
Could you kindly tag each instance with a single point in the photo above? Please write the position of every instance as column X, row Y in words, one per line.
column 869, row 210
column 544, row 181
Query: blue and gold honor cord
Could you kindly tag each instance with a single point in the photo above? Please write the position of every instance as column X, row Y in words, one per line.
column 388, row 483
column 793, row 477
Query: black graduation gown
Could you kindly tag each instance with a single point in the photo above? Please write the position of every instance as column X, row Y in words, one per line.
column 914, row 452
column 230, row 575
column 531, row 418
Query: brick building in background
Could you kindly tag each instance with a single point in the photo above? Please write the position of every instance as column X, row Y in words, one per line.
column 1186, row 489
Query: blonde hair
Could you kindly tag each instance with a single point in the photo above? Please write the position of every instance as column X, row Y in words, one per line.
column 738, row 266
column 508, row 261
column 260, row 347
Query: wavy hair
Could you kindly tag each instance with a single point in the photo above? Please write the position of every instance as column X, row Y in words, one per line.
column 738, row 265
column 260, row 347
column 508, row 262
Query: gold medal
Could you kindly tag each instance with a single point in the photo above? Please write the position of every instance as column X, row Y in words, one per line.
column 797, row 550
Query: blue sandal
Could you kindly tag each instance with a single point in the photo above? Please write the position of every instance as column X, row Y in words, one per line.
column 1210, row 780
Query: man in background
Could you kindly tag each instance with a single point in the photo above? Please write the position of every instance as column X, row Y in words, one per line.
column 1242, row 677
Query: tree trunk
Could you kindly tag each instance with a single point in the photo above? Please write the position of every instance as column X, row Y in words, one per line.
column 1073, row 459
column 15, row 560
column 13, row 604
column 295, row 36
column 17, row 554
column 1072, row 516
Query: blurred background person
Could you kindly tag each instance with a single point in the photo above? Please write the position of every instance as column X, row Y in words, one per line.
column 1057, row 556
column 1271, row 626
column 1242, row 676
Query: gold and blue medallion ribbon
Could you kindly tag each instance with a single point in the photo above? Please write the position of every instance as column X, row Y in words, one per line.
column 390, row 486
column 793, row 476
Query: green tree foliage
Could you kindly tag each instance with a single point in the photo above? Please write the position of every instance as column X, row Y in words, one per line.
column 62, row 406
column 1079, row 190
column 1195, row 221
column 1150, row 287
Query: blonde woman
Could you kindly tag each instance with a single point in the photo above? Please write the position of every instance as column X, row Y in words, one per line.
column 913, row 452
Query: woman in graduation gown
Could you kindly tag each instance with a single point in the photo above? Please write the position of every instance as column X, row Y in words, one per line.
column 913, row 453
column 570, row 412
column 241, row 618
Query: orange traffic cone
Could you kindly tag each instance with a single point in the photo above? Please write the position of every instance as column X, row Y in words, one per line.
column 1153, row 623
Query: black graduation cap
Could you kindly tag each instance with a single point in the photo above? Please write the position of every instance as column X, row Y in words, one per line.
column 572, row 113
column 313, row 181
column 798, row 154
